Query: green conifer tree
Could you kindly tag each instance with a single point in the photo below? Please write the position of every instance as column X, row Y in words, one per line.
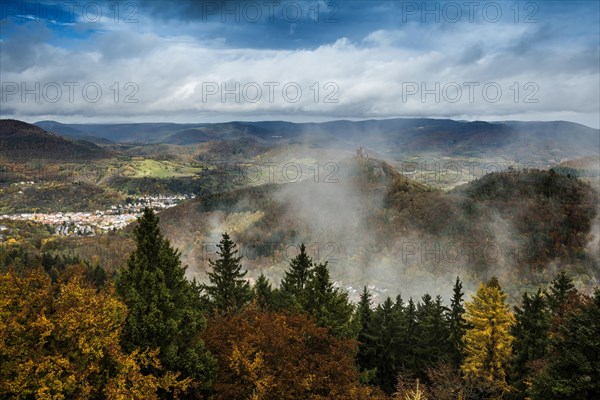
column 432, row 334
column 457, row 325
column 296, row 278
column 531, row 340
column 228, row 291
column 263, row 293
column 329, row 305
column 387, row 335
column 572, row 371
column 164, row 307
column 366, row 335
column 560, row 292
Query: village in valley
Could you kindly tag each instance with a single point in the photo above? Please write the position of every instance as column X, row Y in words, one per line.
column 91, row 223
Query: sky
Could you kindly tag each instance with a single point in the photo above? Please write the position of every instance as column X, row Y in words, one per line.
column 210, row 61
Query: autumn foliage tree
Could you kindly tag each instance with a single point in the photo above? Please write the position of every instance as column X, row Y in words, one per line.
column 488, row 340
column 280, row 355
column 61, row 341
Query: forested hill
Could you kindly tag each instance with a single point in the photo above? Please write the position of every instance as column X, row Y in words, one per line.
column 366, row 223
column 22, row 141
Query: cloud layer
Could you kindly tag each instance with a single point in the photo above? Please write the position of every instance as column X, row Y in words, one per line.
column 327, row 61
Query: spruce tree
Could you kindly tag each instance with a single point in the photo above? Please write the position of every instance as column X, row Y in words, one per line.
column 488, row 340
column 164, row 307
column 457, row 325
column 329, row 305
column 410, row 330
column 387, row 335
column 572, row 371
column 405, row 348
column 228, row 291
column 560, row 292
column 366, row 341
column 432, row 334
column 531, row 340
column 263, row 293
column 296, row 278
column 399, row 305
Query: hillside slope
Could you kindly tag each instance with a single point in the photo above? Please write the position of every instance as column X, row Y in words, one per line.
column 23, row 141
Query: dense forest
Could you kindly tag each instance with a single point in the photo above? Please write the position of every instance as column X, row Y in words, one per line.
column 71, row 330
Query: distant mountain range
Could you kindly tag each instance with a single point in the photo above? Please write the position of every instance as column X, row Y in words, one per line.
column 391, row 136
column 390, row 139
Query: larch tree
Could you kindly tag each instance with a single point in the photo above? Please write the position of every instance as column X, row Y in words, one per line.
column 488, row 341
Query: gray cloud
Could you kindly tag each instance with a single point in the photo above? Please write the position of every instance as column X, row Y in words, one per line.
column 165, row 70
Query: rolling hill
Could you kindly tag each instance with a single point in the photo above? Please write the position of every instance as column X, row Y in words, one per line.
column 20, row 141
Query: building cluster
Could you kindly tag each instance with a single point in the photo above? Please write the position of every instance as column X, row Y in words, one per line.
column 98, row 222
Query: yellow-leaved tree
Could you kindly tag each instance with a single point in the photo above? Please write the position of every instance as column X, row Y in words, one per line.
column 61, row 341
column 488, row 341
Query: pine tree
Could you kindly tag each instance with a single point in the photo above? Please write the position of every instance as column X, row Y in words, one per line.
column 263, row 293
column 228, row 291
column 296, row 278
column 531, row 339
column 328, row 305
column 457, row 325
column 164, row 307
column 488, row 340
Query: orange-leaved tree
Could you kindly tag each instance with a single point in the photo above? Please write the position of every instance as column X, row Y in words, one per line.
column 276, row 355
column 61, row 340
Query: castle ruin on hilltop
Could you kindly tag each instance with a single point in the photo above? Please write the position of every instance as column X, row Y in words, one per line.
column 361, row 153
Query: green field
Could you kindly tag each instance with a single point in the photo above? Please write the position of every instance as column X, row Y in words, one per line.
column 149, row 168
